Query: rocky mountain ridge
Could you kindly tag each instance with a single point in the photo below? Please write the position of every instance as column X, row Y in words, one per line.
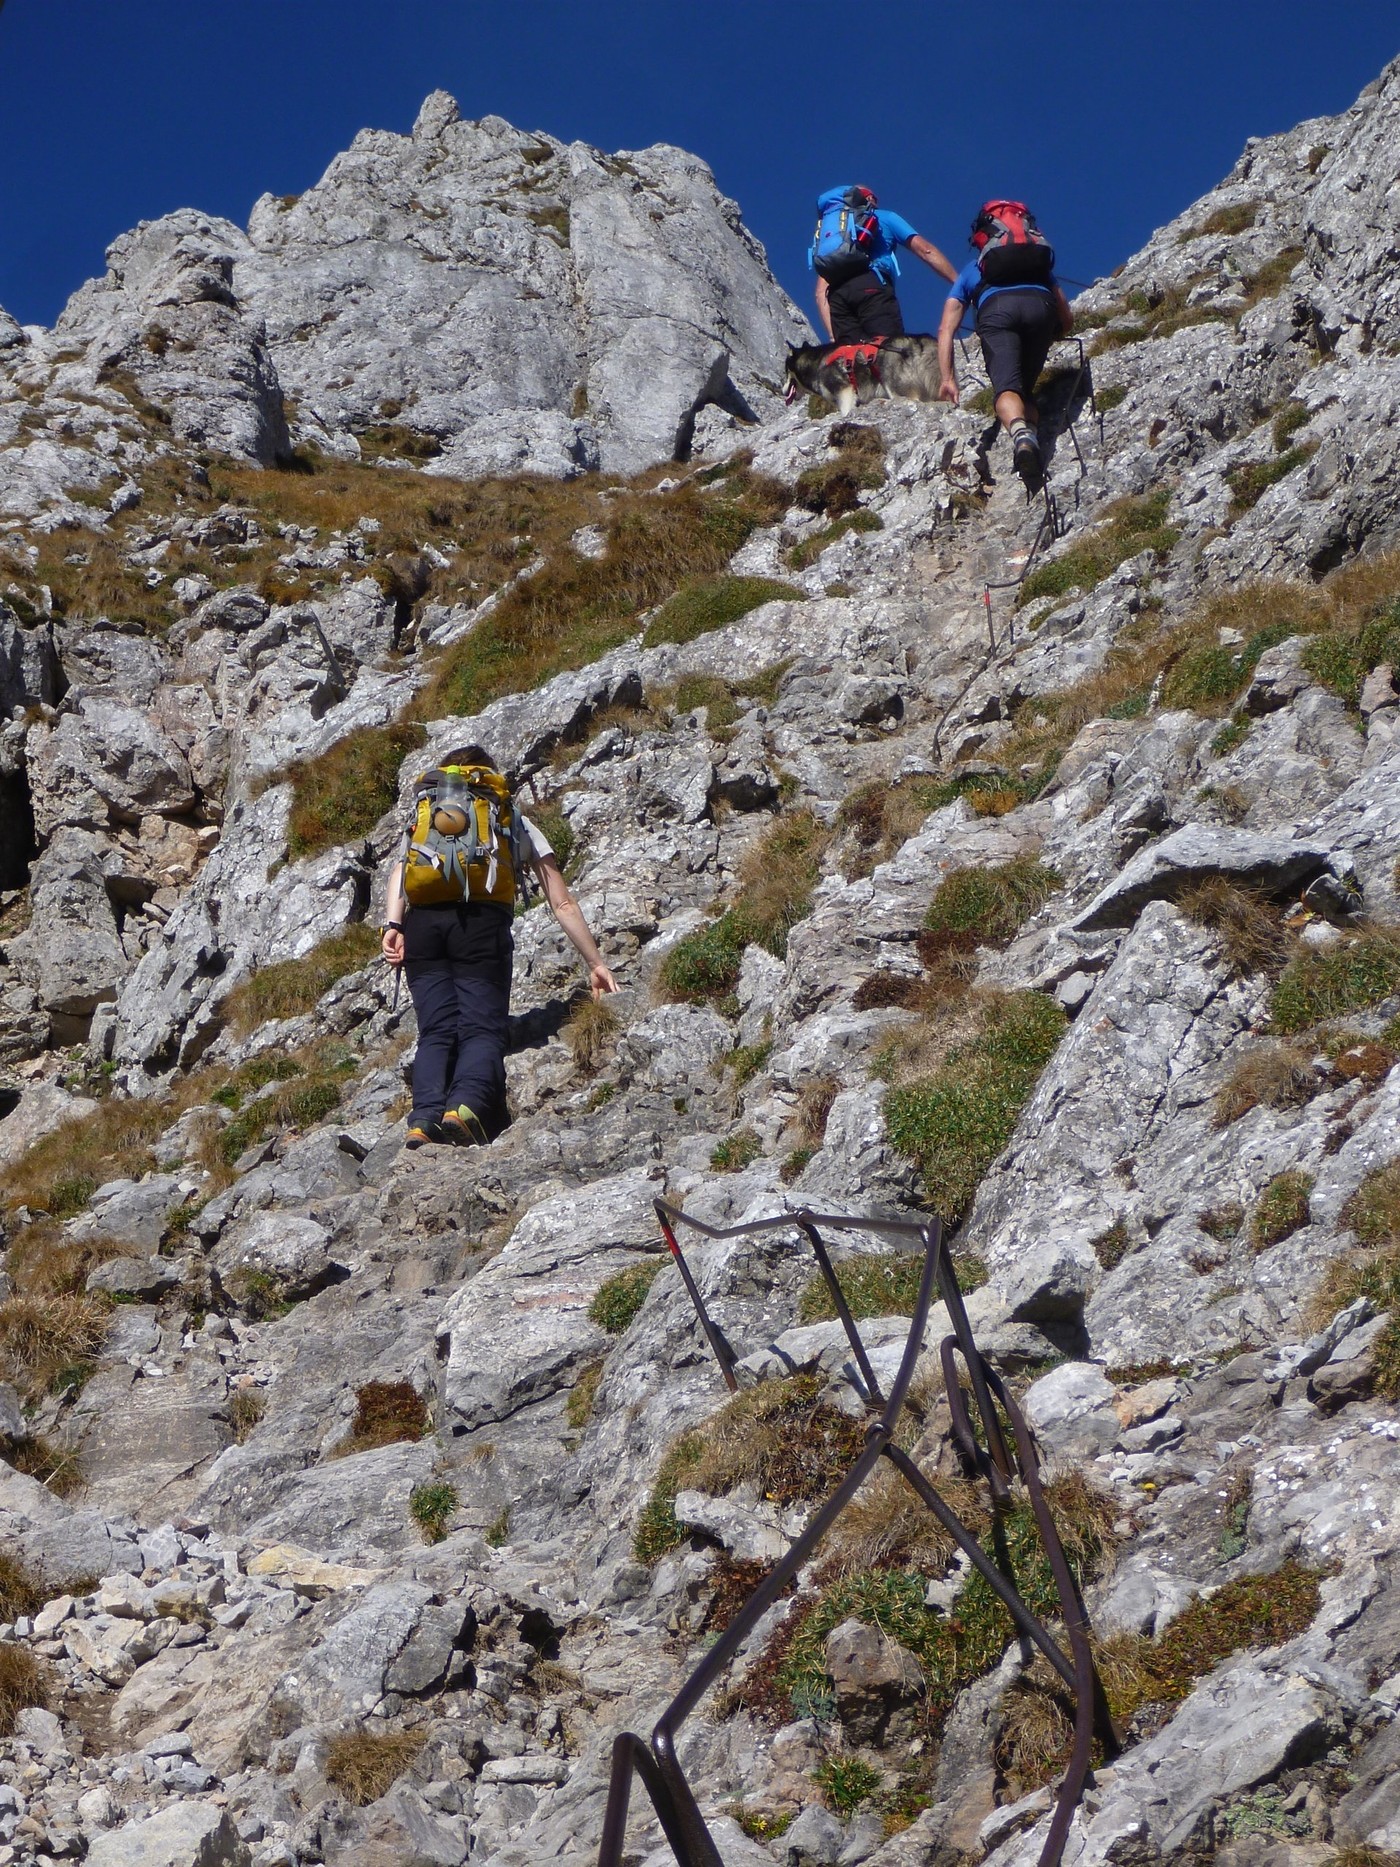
column 354, row 1499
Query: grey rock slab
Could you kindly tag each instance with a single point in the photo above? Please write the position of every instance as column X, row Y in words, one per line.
column 1278, row 865
column 518, row 1331
column 187, row 1834
column 1238, row 1728
column 815, row 1839
column 1369, row 1813
column 134, row 1277
column 41, row 1107
column 1071, row 1410
column 294, row 1251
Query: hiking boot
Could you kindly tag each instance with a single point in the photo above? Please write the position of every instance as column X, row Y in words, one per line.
column 1025, row 457
column 423, row 1134
column 462, row 1128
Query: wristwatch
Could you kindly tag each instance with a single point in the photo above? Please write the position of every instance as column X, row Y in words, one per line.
column 392, row 927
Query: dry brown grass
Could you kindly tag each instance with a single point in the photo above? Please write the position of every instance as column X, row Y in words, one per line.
column 296, row 985
column 20, row 1592
column 24, row 1680
column 246, row 1407
column 591, row 1033
column 365, row 1765
column 57, row 1467
column 1276, row 1076
column 386, row 1412
column 1252, row 934
column 886, row 1526
column 44, row 1338
column 813, row 1107
column 575, row 609
column 43, row 1263
column 1195, row 670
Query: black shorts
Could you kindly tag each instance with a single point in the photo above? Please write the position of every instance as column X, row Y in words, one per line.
column 863, row 307
column 1017, row 329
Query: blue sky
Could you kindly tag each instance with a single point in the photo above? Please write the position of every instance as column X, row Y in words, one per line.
column 1108, row 117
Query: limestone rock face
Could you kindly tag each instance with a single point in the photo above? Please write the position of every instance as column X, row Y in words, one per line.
column 334, row 1465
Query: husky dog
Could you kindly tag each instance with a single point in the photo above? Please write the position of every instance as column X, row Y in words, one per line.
column 844, row 374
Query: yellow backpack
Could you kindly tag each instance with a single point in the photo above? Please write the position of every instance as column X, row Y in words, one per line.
column 468, row 841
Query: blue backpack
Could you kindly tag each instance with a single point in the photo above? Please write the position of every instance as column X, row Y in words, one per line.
column 847, row 234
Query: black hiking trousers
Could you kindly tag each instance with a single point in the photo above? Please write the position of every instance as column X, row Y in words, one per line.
column 863, row 307
column 1016, row 329
column 457, row 960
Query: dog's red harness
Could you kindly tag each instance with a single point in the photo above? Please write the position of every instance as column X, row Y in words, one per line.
column 844, row 356
column 847, row 356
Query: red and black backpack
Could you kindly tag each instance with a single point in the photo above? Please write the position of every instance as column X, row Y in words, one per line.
column 1011, row 248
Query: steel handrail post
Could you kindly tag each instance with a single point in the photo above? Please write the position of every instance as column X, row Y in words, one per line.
column 843, row 1311
column 723, row 1353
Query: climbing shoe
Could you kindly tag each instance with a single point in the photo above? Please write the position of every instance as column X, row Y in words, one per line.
column 462, row 1128
column 423, row 1133
column 1025, row 457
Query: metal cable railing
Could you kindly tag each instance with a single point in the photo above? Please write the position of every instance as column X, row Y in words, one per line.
column 993, row 1461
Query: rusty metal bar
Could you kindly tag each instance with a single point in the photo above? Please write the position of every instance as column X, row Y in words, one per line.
column 656, row 1762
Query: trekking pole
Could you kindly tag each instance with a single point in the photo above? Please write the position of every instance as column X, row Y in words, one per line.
column 398, row 981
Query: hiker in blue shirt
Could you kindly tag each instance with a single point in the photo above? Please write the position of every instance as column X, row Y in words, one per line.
column 1019, row 310
column 854, row 253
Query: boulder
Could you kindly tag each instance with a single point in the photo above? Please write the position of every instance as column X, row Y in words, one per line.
column 187, row 1834
column 1275, row 865
column 878, row 1684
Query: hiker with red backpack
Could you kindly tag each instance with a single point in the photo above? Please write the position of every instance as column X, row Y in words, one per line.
column 1020, row 310
column 469, row 854
column 854, row 253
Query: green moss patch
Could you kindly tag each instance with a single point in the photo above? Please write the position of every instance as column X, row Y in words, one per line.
column 1248, row 480
column 775, row 893
column 954, row 1122
column 1128, row 526
column 710, row 603
column 617, row 1301
column 1317, row 986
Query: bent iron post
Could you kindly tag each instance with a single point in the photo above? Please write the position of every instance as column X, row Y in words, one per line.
column 656, row 1762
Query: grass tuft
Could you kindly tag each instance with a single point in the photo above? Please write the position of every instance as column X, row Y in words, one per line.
column 776, row 885
column 845, row 1783
column 365, row 1765
column 386, row 1414
column 1282, row 1209
column 590, row 1034
column 575, row 609
column 45, row 1341
column 1373, row 1213
column 1251, row 932
column 24, row 1681
column 579, row 1401
column 1137, row 523
column 988, row 906
column 340, row 796
column 294, row 986
column 617, row 1301
column 20, row 1592
column 431, row 1506
column 779, row 1437
column 710, row 603
column 1249, row 480
column 954, row 1122
column 1352, row 977
column 736, row 1151
column 1276, row 1076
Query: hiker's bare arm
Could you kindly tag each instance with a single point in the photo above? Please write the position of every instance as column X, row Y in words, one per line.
column 822, row 311
column 395, row 907
column 931, row 256
column 1066, row 315
column 570, row 917
column 947, row 330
